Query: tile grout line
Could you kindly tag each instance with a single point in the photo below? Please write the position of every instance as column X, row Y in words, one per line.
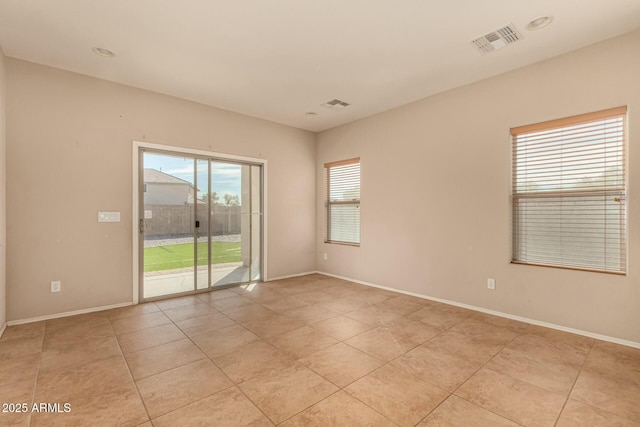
column 260, row 338
column 35, row 386
column 135, row 384
column 321, row 376
column 352, row 382
column 505, row 346
column 300, row 364
column 364, row 403
column 435, row 409
column 584, row 362
column 171, row 321
column 518, row 334
column 390, row 361
column 356, row 398
column 449, row 393
column 310, row 406
column 297, row 362
column 167, row 370
column 364, row 352
column 153, row 346
column 233, row 384
column 488, row 410
column 385, row 363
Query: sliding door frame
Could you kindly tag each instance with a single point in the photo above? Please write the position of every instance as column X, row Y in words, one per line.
column 137, row 192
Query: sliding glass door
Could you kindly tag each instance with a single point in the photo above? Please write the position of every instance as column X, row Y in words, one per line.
column 200, row 222
column 236, row 222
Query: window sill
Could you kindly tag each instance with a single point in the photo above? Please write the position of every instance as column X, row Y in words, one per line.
column 342, row 243
column 591, row 270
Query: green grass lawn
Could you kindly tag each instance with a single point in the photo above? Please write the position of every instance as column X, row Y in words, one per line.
column 181, row 256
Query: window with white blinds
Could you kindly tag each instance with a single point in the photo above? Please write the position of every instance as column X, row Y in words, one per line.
column 569, row 195
column 342, row 201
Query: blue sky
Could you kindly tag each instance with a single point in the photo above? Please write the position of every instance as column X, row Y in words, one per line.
column 226, row 178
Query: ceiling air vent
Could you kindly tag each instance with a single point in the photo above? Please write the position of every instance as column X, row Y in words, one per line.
column 497, row 39
column 335, row 104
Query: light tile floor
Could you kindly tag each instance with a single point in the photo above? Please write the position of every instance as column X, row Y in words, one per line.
column 309, row 351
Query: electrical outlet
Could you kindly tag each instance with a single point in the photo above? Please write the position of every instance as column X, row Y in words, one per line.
column 55, row 286
column 491, row 284
column 325, row 256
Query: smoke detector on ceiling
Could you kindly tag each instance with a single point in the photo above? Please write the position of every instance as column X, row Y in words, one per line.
column 539, row 23
column 496, row 39
column 335, row 104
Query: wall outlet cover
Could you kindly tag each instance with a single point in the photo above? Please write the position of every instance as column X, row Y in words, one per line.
column 56, row 285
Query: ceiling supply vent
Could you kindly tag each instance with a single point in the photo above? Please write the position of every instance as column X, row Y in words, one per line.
column 335, row 104
column 497, row 39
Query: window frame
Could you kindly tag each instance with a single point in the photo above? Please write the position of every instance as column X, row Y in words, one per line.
column 622, row 192
column 328, row 203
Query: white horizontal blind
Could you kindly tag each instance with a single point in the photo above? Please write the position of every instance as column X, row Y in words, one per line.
column 342, row 180
column 569, row 195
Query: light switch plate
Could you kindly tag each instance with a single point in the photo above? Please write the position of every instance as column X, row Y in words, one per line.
column 108, row 216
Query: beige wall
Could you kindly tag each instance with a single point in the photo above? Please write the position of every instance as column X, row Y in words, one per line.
column 69, row 155
column 438, row 170
column 3, row 191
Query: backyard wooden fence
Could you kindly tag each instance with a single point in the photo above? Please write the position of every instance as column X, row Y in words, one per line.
column 169, row 221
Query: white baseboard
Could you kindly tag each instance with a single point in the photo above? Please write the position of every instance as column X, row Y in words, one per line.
column 67, row 313
column 496, row 313
column 271, row 279
column 3, row 328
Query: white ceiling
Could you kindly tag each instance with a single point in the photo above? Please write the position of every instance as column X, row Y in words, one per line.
column 279, row 59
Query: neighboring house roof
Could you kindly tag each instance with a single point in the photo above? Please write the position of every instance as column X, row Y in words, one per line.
column 156, row 176
column 153, row 176
column 190, row 200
